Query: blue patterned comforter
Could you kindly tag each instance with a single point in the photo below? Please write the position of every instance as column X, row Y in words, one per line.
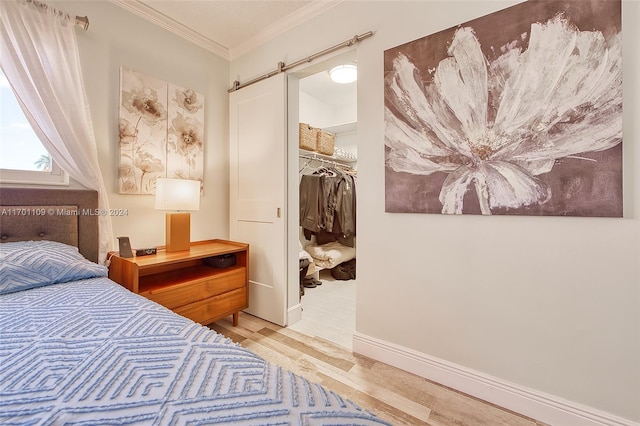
column 90, row 352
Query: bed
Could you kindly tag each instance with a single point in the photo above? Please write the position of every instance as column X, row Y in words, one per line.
column 77, row 348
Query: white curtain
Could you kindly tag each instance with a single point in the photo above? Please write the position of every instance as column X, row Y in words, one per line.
column 39, row 57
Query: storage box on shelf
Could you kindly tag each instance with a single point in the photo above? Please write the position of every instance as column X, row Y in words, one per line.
column 326, row 142
column 308, row 137
column 185, row 281
column 315, row 139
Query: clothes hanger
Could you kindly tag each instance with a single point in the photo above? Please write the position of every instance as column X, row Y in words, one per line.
column 306, row 164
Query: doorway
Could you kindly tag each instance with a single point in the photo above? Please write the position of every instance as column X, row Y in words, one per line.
column 327, row 308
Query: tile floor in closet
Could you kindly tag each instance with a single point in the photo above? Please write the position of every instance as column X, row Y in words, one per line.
column 329, row 310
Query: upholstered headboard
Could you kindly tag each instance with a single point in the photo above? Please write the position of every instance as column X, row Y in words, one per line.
column 68, row 216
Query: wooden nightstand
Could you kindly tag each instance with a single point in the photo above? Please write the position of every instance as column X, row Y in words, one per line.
column 185, row 283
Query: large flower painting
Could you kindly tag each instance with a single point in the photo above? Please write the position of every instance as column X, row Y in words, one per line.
column 517, row 112
column 161, row 133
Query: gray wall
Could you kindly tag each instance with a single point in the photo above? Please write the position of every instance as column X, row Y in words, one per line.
column 547, row 303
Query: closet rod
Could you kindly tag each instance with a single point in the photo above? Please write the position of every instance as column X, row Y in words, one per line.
column 322, row 160
column 283, row 67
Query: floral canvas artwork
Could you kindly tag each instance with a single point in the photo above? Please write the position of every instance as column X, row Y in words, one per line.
column 185, row 136
column 518, row 112
column 161, row 132
column 143, row 132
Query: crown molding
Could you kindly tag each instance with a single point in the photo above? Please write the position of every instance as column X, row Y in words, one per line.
column 283, row 25
column 163, row 21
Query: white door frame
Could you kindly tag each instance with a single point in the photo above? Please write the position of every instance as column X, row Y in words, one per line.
column 294, row 307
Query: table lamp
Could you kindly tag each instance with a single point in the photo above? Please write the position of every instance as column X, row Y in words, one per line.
column 177, row 195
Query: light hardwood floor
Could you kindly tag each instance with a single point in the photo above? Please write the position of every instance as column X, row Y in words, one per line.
column 394, row 395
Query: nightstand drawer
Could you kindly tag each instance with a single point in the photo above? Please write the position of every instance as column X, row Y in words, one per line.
column 185, row 281
column 203, row 288
column 214, row 308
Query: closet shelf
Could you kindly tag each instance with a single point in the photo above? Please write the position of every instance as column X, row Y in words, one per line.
column 342, row 128
column 316, row 155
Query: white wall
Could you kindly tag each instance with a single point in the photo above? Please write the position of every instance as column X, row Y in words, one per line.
column 547, row 303
column 118, row 38
column 320, row 114
column 316, row 113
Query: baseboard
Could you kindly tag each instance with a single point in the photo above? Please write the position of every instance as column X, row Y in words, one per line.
column 528, row 402
column 294, row 314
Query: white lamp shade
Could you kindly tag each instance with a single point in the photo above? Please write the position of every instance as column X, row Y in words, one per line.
column 344, row 74
column 177, row 194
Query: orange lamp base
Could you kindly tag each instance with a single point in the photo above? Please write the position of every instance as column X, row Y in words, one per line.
column 178, row 229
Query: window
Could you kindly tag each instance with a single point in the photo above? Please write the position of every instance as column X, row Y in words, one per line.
column 23, row 159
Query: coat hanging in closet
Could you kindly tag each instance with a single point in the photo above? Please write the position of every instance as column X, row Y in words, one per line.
column 328, row 205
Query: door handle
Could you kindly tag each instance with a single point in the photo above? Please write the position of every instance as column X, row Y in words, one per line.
column 278, row 212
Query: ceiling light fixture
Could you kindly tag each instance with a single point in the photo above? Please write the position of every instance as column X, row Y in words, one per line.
column 344, row 74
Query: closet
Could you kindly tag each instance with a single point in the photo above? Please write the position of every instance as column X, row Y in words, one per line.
column 328, row 229
column 327, row 218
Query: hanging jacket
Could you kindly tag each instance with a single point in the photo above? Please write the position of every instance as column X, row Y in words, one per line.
column 312, row 202
column 346, row 209
column 327, row 204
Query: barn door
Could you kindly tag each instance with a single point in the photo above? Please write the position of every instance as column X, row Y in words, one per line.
column 257, row 191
